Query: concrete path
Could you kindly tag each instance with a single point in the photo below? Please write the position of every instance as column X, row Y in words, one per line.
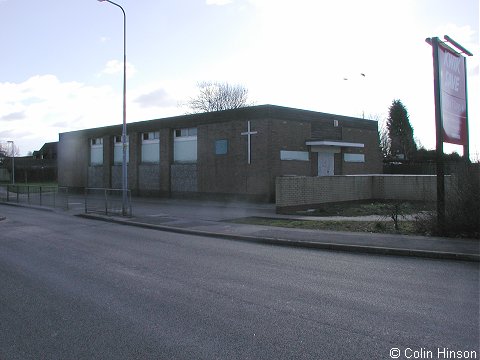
column 211, row 218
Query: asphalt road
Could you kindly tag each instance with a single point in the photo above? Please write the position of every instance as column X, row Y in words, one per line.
column 73, row 288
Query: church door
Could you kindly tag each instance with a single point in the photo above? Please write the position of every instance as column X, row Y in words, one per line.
column 326, row 164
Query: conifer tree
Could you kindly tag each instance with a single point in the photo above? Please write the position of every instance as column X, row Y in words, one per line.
column 400, row 132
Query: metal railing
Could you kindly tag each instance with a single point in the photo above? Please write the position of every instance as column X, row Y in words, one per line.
column 107, row 201
column 96, row 200
column 40, row 195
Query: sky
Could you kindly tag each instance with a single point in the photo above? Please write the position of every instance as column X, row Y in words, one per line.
column 61, row 61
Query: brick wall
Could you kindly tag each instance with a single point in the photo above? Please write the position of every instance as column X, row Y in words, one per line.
column 116, row 172
column 373, row 157
column 73, row 160
column 405, row 187
column 95, row 177
column 302, row 191
column 230, row 173
column 277, row 129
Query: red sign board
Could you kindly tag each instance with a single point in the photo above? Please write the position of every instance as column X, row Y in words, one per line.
column 453, row 96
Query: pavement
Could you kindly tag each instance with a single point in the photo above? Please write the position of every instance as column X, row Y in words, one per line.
column 211, row 218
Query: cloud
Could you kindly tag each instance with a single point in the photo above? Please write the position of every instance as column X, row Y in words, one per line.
column 475, row 71
column 155, row 98
column 62, row 124
column 113, row 67
column 30, row 111
column 218, row 2
column 468, row 38
column 36, row 110
column 19, row 115
column 462, row 34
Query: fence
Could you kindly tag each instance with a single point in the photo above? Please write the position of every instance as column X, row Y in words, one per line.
column 96, row 200
column 107, row 201
column 50, row 196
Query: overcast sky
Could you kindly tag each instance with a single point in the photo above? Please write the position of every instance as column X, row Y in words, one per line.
column 61, row 61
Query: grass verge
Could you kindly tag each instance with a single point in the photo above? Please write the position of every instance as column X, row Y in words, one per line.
column 365, row 208
column 405, row 227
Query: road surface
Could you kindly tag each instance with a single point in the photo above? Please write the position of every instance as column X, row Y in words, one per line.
column 72, row 288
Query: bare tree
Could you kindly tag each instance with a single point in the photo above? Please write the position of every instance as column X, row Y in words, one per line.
column 385, row 142
column 3, row 150
column 382, row 134
column 216, row 96
column 6, row 150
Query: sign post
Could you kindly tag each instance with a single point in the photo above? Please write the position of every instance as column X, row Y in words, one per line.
column 451, row 115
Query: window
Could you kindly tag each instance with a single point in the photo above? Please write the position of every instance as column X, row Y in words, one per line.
column 152, row 135
column 187, row 132
column 294, row 155
column 151, row 147
column 96, row 151
column 185, row 145
column 221, row 147
column 357, row 158
column 118, row 150
column 97, row 141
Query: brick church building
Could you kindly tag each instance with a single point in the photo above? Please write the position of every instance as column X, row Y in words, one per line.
column 231, row 153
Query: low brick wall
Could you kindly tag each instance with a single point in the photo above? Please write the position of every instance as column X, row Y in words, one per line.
column 303, row 192
column 406, row 187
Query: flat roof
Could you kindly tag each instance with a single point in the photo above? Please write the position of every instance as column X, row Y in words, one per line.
column 245, row 113
column 334, row 143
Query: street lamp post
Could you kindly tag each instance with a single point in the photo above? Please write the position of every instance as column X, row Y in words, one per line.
column 13, row 160
column 124, row 127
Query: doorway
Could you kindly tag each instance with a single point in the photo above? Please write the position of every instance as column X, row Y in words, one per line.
column 326, row 164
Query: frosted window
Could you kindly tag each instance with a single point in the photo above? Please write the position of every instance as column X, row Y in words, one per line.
column 118, row 150
column 294, row 155
column 96, row 151
column 358, row 158
column 151, row 152
column 185, row 149
column 185, row 145
column 151, row 147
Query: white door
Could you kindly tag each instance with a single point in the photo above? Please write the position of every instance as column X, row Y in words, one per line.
column 326, row 164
